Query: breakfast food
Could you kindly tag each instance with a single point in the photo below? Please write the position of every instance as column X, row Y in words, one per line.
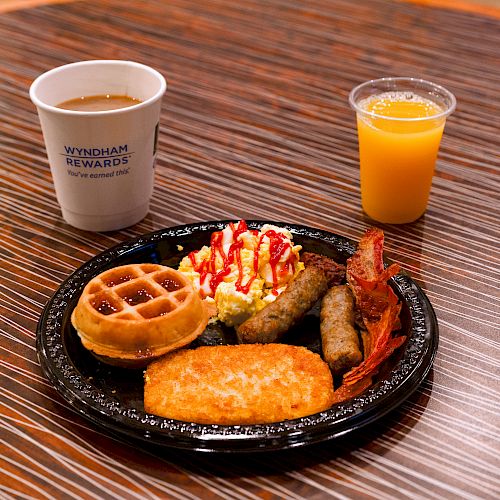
column 339, row 339
column 131, row 314
column 272, row 322
column 238, row 384
column 379, row 308
column 243, row 269
column 335, row 273
column 141, row 315
column 255, row 282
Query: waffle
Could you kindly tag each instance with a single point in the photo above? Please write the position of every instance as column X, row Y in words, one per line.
column 131, row 314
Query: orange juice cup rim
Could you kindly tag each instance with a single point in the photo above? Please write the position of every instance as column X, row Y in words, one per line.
column 417, row 83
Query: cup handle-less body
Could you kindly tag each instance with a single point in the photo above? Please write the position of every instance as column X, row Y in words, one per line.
column 105, row 173
column 398, row 149
column 102, row 162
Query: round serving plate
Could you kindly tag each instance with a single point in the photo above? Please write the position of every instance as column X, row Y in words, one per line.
column 113, row 397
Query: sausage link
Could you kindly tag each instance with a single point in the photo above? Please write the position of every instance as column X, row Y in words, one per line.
column 339, row 339
column 272, row 322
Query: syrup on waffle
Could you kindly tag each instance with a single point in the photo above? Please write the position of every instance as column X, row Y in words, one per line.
column 133, row 313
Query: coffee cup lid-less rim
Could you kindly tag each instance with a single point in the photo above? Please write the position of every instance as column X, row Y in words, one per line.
column 39, row 103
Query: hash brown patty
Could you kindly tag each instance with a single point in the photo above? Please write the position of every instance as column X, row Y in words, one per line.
column 238, row 384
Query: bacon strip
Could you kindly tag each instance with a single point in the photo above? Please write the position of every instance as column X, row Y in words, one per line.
column 379, row 308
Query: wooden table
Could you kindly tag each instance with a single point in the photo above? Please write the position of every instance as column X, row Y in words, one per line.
column 256, row 125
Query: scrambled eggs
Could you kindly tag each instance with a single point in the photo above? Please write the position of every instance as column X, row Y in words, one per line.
column 243, row 270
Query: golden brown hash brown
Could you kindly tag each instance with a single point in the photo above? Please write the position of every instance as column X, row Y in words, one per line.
column 238, row 384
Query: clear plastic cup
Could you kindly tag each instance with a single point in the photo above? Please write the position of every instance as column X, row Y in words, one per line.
column 400, row 124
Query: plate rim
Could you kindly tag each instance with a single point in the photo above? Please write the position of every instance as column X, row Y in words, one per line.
column 349, row 416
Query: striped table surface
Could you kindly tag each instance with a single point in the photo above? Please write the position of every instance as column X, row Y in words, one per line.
column 255, row 124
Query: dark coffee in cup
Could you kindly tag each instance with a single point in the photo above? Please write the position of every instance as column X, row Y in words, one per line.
column 103, row 102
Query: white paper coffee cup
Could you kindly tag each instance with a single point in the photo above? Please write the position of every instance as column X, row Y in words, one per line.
column 102, row 162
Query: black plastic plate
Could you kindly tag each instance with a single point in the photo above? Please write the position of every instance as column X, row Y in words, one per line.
column 113, row 397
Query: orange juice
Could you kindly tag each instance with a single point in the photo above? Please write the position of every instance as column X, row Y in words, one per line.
column 398, row 145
